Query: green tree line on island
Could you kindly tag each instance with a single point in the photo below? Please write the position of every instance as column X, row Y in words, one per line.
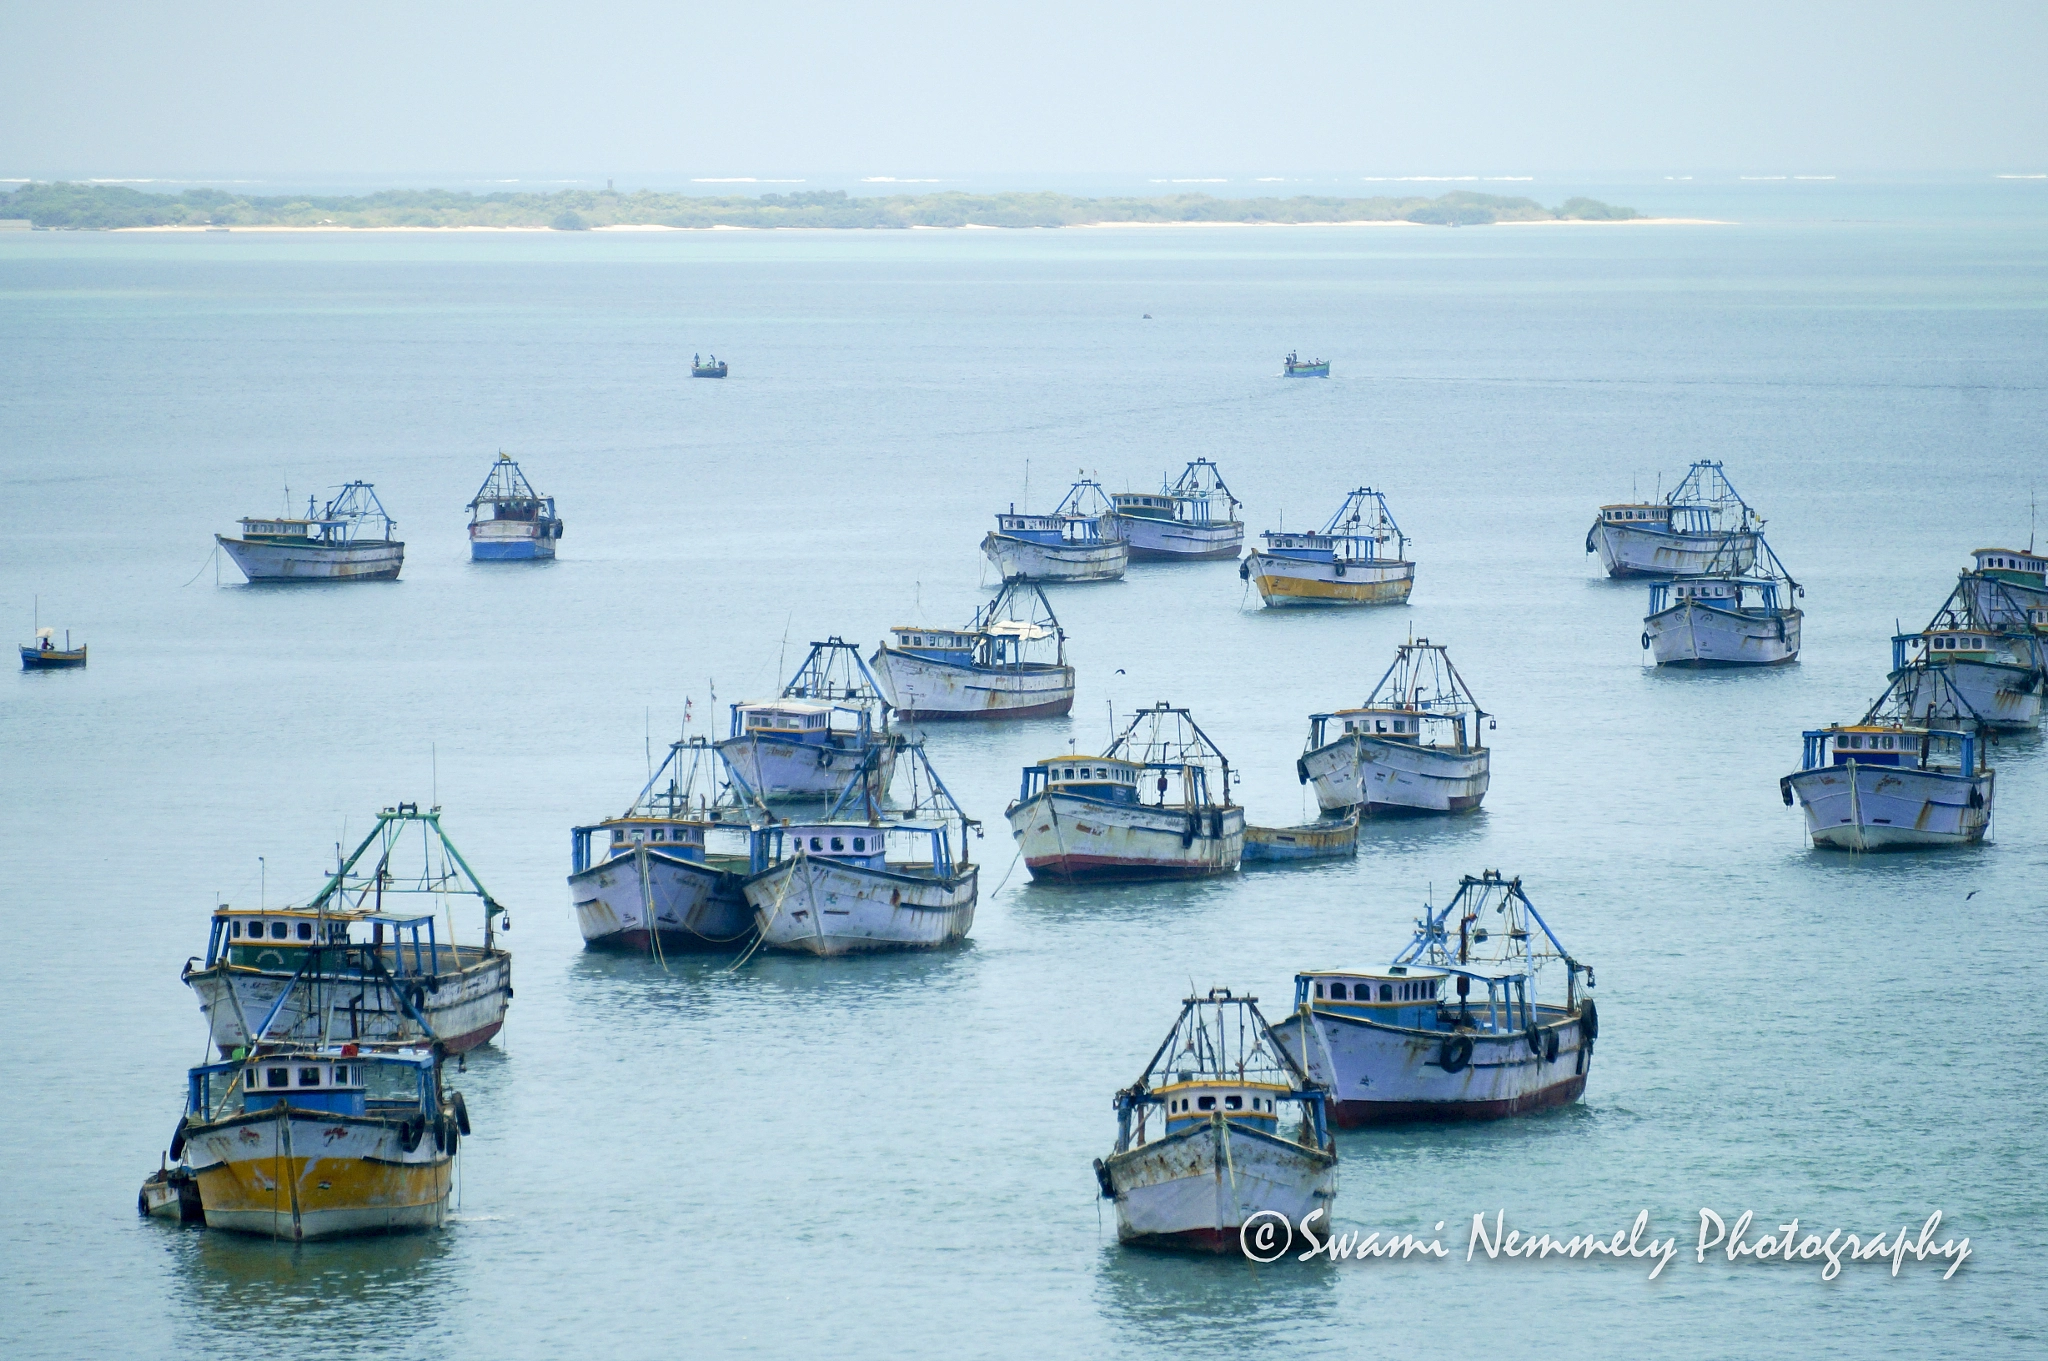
column 64, row 206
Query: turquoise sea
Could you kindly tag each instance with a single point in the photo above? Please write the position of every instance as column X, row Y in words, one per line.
column 890, row 1157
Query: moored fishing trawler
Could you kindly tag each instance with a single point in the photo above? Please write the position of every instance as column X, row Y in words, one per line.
column 1995, row 663
column 311, row 1141
column 1359, row 558
column 1087, row 817
column 1892, row 782
column 866, row 876
column 1294, row 366
column 1222, row 1129
column 666, row 874
column 1009, row 662
column 1702, row 526
column 349, row 540
column 1080, row 540
column 1193, row 518
column 2004, row 584
column 350, row 965
column 812, row 740
column 508, row 520
column 1726, row 617
column 1413, row 747
column 1414, row 1041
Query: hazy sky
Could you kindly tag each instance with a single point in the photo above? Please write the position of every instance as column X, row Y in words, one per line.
column 103, row 87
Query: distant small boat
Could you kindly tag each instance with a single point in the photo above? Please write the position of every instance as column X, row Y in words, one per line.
column 1325, row 839
column 1986, row 649
column 1894, row 781
column 1009, row 662
column 1703, row 526
column 1079, row 541
column 1413, row 747
column 1195, row 517
column 813, row 740
column 1358, row 558
column 868, row 876
column 1726, row 618
column 1087, row 817
column 1203, row 1153
column 707, row 366
column 1299, row 368
column 338, row 544
column 1417, row 1040
column 45, row 655
column 171, row 1193
column 508, row 520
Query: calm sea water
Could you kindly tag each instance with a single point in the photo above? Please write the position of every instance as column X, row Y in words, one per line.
column 890, row 1157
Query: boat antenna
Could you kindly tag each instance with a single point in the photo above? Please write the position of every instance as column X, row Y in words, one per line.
column 434, row 779
column 782, row 654
column 262, row 884
column 1027, row 486
column 647, row 739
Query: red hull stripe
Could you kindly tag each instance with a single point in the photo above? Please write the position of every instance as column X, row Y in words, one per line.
column 1356, row 1114
column 1051, row 710
column 1104, row 867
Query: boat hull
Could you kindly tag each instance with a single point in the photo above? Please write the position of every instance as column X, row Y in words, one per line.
column 920, row 688
column 1628, row 550
column 375, row 560
column 172, row 1194
column 2002, row 696
column 820, row 906
column 1196, row 1189
column 1150, row 539
column 511, row 541
column 1025, row 560
column 1325, row 840
column 1855, row 807
column 1691, row 634
column 778, row 769
column 1381, row 1074
column 347, row 1175
column 466, row 1010
column 695, row 906
column 1284, row 581
column 51, row 659
column 1066, row 838
column 1306, row 371
column 1388, row 779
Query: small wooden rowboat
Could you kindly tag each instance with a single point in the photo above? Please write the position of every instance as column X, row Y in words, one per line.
column 1324, row 839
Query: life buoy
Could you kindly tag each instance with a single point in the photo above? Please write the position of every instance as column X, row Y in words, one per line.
column 1455, row 1053
column 1535, row 1039
column 1550, row 1046
column 461, row 1112
column 1589, row 1019
column 178, row 1139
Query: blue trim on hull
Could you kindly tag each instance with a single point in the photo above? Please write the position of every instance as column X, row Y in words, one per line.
column 515, row 550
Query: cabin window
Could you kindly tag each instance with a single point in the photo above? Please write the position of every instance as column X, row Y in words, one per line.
column 234, row 928
column 305, row 930
column 817, row 843
column 341, row 1074
column 838, row 843
column 277, row 931
column 617, row 836
column 1386, row 992
column 1337, row 991
column 1207, row 1103
column 1400, row 725
column 309, row 1077
column 860, row 843
column 277, row 1077
column 1319, row 990
column 1069, row 773
column 1233, row 1103
column 660, row 834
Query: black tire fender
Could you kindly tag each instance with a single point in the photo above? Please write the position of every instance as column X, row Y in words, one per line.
column 461, row 1111
column 1455, row 1054
column 1340, row 569
column 1535, row 1039
column 1102, row 1180
column 178, row 1139
column 1589, row 1019
column 1244, row 571
column 1785, row 789
column 1550, row 1043
column 1301, row 769
column 410, row 1131
column 1646, row 638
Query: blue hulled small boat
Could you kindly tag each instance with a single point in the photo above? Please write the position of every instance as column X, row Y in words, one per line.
column 1297, row 367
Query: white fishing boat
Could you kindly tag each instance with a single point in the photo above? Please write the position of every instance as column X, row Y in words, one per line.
column 810, row 742
column 1993, row 663
column 1187, row 520
column 351, row 963
column 1078, row 542
column 2004, row 585
column 1413, row 747
column 1892, row 783
column 867, row 877
column 1009, row 662
column 1416, row 1041
column 1702, row 526
column 1726, row 618
column 508, row 520
column 1088, row 817
column 666, row 874
column 304, row 1142
column 1359, row 558
column 1222, row 1130
column 349, row 540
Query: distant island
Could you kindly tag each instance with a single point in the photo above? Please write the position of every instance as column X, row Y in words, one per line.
column 89, row 207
